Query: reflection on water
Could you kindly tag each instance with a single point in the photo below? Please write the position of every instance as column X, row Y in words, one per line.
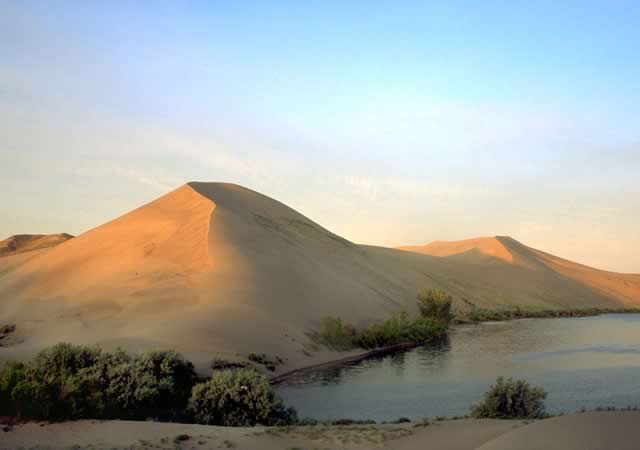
column 581, row 362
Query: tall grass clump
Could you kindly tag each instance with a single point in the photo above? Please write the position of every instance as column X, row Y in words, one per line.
column 241, row 397
column 511, row 399
column 435, row 303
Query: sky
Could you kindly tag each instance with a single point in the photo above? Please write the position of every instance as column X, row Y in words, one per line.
column 389, row 123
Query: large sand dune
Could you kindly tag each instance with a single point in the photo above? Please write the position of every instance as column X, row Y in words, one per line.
column 217, row 269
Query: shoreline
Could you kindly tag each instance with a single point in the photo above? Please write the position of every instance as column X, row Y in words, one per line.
column 283, row 377
column 492, row 316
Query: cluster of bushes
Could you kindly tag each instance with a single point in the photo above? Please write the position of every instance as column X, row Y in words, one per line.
column 486, row 315
column 335, row 334
column 73, row 382
column 511, row 399
column 435, row 315
column 264, row 360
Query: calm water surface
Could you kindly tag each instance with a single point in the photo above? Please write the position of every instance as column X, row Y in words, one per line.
column 582, row 362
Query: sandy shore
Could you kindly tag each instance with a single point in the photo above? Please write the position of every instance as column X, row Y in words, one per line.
column 588, row 431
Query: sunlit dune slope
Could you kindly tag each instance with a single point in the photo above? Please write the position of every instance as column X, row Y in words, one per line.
column 490, row 246
column 217, row 269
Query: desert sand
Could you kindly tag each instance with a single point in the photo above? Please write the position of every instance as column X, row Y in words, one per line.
column 214, row 269
column 588, row 431
column 447, row 435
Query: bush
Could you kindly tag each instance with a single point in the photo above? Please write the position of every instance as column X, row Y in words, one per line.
column 223, row 364
column 264, row 360
column 154, row 384
column 240, row 397
column 435, row 303
column 12, row 379
column 335, row 334
column 398, row 329
column 72, row 382
column 511, row 399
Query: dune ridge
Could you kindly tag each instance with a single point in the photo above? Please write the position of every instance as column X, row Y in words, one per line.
column 218, row 269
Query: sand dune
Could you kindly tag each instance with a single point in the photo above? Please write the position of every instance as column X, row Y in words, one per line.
column 21, row 243
column 490, row 246
column 217, row 269
column 625, row 288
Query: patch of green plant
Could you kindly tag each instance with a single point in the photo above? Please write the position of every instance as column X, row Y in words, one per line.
column 266, row 361
column 435, row 304
column 398, row 329
column 401, row 420
column 240, row 397
column 435, row 315
column 346, row 421
column 307, row 422
column 511, row 399
column 181, row 438
column 6, row 329
column 476, row 315
column 223, row 364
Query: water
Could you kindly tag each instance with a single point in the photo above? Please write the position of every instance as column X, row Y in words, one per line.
column 581, row 363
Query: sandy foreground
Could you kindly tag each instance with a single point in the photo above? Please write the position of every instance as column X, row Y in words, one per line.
column 588, row 431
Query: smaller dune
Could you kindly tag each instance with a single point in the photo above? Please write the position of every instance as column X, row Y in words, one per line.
column 490, row 246
column 21, row 243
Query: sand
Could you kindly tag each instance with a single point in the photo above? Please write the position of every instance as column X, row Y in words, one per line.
column 588, row 431
column 214, row 269
column 447, row 435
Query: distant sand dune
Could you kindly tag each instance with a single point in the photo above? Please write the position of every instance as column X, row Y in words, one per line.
column 21, row 243
column 217, row 269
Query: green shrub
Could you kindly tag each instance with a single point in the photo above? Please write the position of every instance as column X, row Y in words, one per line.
column 435, row 303
column 223, row 364
column 307, row 422
column 398, row 329
column 240, row 397
column 6, row 329
column 72, row 382
column 13, row 375
column 264, row 360
column 402, row 420
column 335, row 334
column 511, row 399
column 154, row 384
column 352, row 422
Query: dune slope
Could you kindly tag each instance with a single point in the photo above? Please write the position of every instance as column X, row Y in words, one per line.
column 217, row 269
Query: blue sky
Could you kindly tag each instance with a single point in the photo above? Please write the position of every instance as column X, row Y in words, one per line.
column 388, row 122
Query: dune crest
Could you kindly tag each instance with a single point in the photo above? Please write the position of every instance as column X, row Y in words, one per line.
column 490, row 246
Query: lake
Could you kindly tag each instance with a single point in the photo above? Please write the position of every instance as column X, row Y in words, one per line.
column 581, row 362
